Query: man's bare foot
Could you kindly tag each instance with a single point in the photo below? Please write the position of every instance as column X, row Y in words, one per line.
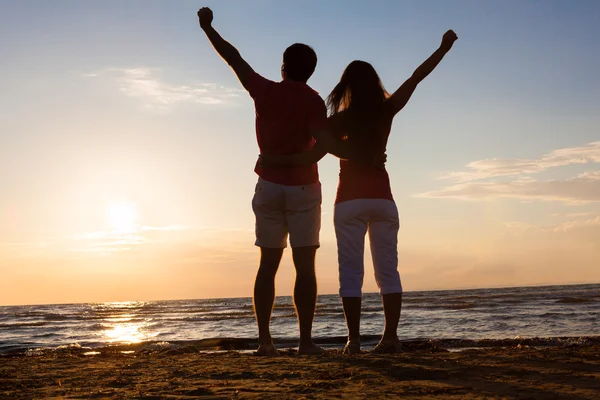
column 310, row 349
column 266, row 350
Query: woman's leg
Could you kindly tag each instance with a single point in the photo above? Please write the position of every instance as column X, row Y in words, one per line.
column 352, row 315
column 383, row 235
column 350, row 229
column 392, row 305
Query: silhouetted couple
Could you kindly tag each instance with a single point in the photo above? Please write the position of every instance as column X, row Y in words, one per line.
column 294, row 132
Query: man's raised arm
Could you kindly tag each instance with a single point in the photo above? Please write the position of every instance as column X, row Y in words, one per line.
column 230, row 54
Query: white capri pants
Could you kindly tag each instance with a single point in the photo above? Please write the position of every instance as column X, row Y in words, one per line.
column 352, row 220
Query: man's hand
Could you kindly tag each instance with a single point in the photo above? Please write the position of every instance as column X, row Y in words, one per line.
column 205, row 17
column 447, row 40
column 230, row 54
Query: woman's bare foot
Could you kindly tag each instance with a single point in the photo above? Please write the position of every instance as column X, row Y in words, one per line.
column 388, row 347
column 352, row 347
column 310, row 349
column 266, row 350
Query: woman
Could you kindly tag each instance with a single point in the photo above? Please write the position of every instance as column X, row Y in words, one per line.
column 360, row 123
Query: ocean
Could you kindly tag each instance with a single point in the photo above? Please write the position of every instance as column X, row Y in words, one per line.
column 451, row 316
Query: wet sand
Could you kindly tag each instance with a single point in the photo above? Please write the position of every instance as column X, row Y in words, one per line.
column 423, row 370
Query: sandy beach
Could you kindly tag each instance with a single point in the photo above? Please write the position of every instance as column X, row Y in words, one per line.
column 423, row 370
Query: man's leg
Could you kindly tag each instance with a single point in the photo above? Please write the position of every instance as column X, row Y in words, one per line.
column 305, row 296
column 271, row 236
column 264, row 297
column 303, row 216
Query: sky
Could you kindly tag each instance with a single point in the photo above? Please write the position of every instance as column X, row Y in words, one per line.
column 127, row 145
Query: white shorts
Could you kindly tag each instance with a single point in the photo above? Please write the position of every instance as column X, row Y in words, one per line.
column 352, row 220
column 281, row 209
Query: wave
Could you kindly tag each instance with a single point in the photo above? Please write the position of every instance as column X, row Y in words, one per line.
column 574, row 300
column 497, row 296
column 219, row 317
column 220, row 344
column 446, row 306
column 59, row 317
column 47, row 335
column 19, row 325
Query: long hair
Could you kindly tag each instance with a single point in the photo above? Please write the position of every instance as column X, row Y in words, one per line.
column 360, row 95
column 360, row 90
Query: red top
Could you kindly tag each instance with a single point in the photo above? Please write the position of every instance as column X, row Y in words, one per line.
column 286, row 113
column 359, row 181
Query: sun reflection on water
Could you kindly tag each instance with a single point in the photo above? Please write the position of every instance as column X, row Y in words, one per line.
column 123, row 325
column 125, row 333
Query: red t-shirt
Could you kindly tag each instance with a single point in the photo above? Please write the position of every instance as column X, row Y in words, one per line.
column 357, row 180
column 286, row 114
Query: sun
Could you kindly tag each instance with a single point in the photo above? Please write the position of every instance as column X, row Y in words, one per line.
column 122, row 217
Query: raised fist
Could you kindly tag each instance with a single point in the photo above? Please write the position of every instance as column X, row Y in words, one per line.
column 205, row 17
column 448, row 39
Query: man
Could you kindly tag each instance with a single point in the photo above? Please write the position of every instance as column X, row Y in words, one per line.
column 287, row 200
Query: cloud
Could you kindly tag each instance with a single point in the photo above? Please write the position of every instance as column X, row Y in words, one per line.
column 154, row 237
column 584, row 188
column 146, row 85
column 478, row 184
column 580, row 214
column 107, row 242
column 164, row 228
column 520, row 228
column 570, row 225
column 113, row 241
column 491, row 168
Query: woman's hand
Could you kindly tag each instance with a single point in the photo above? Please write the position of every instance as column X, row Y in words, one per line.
column 379, row 161
column 268, row 160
